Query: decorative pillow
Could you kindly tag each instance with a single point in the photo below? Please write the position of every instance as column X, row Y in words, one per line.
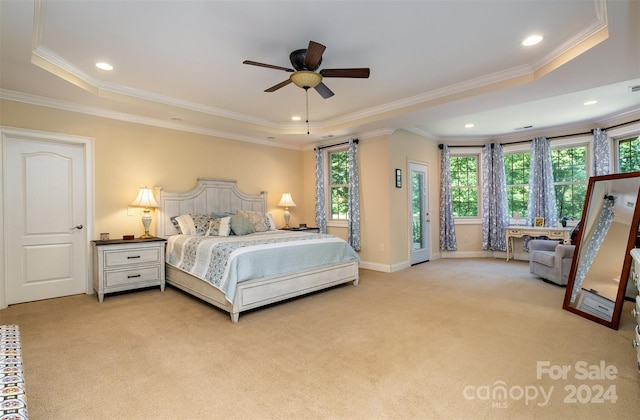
column 240, row 225
column 257, row 219
column 193, row 224
column 220, row 215
column 270, row 223
column 219, row 227
column 176, row 224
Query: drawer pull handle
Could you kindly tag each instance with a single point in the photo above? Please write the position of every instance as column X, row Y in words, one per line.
column 133, row 276
column 634, row 312
column 133, row 257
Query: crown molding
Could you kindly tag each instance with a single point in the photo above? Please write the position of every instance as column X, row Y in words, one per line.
column 589, row 37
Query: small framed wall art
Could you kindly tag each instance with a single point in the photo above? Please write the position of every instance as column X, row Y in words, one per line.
column 398, row 178
column 539, row 222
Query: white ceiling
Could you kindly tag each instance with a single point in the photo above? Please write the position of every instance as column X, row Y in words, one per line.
column 435, row 65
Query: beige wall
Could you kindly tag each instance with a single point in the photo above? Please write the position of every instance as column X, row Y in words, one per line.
column 405, row 147
column 128, row 156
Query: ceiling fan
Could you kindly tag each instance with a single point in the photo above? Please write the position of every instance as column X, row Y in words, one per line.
column 305, row 62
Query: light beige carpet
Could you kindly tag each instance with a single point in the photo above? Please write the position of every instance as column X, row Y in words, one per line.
column 436, row 341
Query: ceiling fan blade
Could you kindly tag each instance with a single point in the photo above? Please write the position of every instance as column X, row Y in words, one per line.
column 324, row 91
column 362, row 73
column 278, row 86
column 269, row 66
column 314, row 54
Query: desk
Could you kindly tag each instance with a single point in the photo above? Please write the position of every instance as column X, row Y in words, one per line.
column 563, row 233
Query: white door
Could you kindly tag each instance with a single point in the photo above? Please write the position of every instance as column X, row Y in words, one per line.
column 418, row 213
column 45, row 219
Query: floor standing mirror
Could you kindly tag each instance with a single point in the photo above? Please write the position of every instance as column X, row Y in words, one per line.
column 602, row 260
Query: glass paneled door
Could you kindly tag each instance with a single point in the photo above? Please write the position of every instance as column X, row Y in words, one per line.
column 418, row 213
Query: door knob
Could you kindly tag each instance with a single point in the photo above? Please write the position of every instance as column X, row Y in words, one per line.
column 77, row 227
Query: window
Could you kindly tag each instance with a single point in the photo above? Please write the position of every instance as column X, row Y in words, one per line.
column 570, row 180
column 569, row 175
column 338, row 177
column 464, row 185
column 629, row 154
column 516, row 167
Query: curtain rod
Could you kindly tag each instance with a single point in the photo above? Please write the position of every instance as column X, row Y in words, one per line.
column 550, row 138
column 356, row 141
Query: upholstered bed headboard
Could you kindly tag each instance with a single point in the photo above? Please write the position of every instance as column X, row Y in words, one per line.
column 209, row 195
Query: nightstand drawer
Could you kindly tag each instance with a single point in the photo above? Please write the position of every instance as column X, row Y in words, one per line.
column 141, row 275
column 131, row 256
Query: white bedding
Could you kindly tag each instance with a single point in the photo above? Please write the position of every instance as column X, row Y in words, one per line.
column 225, row 261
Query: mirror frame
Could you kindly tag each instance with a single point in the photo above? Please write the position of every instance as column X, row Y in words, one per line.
column 631, row 241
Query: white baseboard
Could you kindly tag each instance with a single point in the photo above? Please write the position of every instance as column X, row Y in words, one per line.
column 442, row 254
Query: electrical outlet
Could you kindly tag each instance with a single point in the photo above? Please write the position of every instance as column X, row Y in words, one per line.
column 381, row 247
column 466, row 239
column 130, row 211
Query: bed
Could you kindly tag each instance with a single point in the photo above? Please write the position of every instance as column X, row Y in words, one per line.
column 275, row 250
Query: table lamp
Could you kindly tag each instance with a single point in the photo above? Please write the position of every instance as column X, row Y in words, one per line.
column 146, row 200
column 286, row 201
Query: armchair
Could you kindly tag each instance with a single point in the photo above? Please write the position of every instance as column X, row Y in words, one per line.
column 550, row 260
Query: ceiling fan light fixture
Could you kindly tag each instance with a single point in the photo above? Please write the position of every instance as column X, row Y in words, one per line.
column 305, row 79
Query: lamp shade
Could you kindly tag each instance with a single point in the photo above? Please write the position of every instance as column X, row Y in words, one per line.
column 286, row 201
column 145, row 199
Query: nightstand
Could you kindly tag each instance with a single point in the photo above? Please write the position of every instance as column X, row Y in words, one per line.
column 299, row 229
column 127, row 264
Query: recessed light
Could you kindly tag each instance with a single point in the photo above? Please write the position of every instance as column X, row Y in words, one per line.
column 296, row 118
column 470, row 125
column 532, row 40
column 104, row 66
column 590, row 102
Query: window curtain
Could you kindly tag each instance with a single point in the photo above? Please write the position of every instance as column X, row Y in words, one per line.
column 600, row 152
column 321, row 214
column 605, row 218
column 354, row 196
column 542, row 193
column 447, row 226
column 494, row 198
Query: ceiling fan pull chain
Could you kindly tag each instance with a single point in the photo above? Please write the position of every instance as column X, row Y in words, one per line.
column 306, row 91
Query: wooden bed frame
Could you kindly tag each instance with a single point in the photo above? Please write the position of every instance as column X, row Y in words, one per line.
column 219, row 196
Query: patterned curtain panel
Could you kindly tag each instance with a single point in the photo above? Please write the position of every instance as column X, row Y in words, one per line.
column 494, row 198
column 605, row 218
column 542, row 194
column 600, row 152
column 447, row 225
column 354, row 196
column 321, row 214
